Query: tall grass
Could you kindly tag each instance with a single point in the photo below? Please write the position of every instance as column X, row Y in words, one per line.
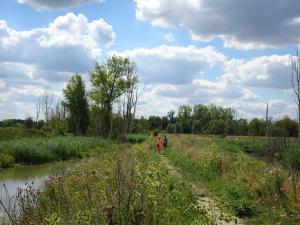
column 250, row 188
column 130, row 187
column 42, row 150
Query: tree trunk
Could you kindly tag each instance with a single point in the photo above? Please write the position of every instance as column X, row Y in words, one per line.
column 107, row 121
column 299, row 120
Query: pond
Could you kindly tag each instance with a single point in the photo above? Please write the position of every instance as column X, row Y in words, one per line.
column 13, row 178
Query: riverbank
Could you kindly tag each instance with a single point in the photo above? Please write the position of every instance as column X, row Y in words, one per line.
column 127, row 186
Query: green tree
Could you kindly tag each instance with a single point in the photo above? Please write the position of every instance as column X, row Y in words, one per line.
column 242, row 127
column 289, row 126
column 154, row 122
column 109, row 81
column 256, row 127
column 184, row 119
column 202, row 118
column 76, row 104
column 29, row 123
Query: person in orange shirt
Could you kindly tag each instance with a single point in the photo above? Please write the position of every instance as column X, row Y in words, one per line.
column 159, row 143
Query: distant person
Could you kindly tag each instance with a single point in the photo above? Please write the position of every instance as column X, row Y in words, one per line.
column 165, row 141
column 159, row 143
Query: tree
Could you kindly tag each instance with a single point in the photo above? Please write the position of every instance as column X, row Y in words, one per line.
column 76, row 104
column 185, row 119
column 29, row 123
column 289, row 126
column 57, row 118
column 256, row 127
column 109, row 82
column 201, row 117
column 154, row 122
column 171, row 116
column 242, row 127
column 164, row 122
column 128, row 105
column 295, row 65
column 47, row 100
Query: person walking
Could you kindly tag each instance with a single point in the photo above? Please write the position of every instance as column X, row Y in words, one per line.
column 159, row 143
column 165, row 141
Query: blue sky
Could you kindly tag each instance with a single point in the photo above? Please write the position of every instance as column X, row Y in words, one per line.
column 188, row 52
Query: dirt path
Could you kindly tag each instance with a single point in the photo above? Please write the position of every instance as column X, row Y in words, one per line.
column 211, row 206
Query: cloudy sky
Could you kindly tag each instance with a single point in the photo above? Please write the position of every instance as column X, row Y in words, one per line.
column 231, row 53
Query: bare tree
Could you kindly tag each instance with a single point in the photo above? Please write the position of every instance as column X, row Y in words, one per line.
column 57, row 116
column 38, row 109
column 267, row 122
column 295, row 65
column 128, row 103
column 47, row 100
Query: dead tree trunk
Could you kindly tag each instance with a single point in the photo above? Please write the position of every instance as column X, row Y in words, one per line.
column 295, row 65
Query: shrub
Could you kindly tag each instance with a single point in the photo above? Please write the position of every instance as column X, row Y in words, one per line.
column 137, row 138
column 6, row 161
column 155, row 132
column 241, row 204
column 245, row 208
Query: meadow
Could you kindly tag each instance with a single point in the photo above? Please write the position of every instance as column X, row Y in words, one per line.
column 133, row 184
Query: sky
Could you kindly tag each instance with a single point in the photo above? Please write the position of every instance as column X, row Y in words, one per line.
column 226, row 52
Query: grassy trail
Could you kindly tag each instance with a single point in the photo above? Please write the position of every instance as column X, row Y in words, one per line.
column 209, row 205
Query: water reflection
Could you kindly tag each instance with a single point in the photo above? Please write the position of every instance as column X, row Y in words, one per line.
column 13, row 178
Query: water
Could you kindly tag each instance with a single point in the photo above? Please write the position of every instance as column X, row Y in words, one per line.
column 13, row 178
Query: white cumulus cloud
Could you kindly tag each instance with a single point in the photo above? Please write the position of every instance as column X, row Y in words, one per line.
column 240, row 24
column 55, row 4
column 47, row 57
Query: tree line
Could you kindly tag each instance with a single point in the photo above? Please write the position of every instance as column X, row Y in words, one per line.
column 214, row 120
column 108, row 109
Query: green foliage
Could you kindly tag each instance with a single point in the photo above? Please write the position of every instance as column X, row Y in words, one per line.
column 6, row 161
column 217, row 127
column 11, row 133
column 137, row 138
column 109, row 82
column 29, row 123
column 288, row 126
column 154, row 122
column 171, row 128
column 156, row 132
column 76, row 104
column 128, row 187
column 292, row 158
column 257, row 127
column 35, row 151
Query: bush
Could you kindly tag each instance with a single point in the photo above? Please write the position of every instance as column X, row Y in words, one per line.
column 6, row 161
column 292, row 158
column 245, row 208
column 155, row 132
column 241, row 204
